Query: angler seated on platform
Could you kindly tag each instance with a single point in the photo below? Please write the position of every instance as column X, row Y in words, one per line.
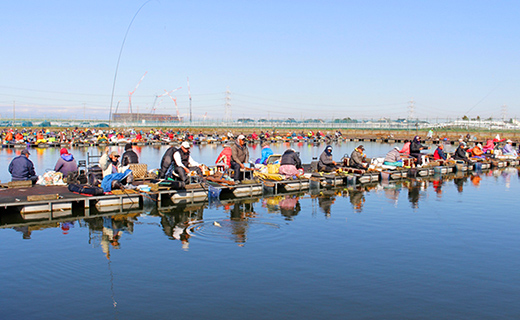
column 508, row 149
column 460, row 153
column 21, row 168
column 357, row 158
column 224, row 158
column 326, row 164
column 393, row 158
column 290, row 164
column 476, row 152
column 489, row 147
column 415, row 150
column 439, row 153
column 183, row 164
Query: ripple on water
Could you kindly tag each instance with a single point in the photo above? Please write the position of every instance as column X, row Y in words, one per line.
column 236, row 230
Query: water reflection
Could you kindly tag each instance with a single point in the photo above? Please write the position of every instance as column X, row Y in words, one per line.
column 176, row 223
column 106, row 231
column 357, row 199
column 240, row 213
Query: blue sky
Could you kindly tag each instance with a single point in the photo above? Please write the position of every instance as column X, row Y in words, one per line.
column 279, row 59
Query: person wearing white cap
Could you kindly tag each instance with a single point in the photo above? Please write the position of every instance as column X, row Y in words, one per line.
column 183, row 163
column 393, row 158
column 239, row 156
column 21, row 168
column 508, row 149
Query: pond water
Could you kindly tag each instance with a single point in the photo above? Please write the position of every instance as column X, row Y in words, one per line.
column 426, row 249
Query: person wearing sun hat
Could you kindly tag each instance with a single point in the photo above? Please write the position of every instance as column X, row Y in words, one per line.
column 508, row 149
column 66, row 163
column 21, row 168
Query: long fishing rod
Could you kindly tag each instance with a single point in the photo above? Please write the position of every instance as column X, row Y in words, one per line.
column 119, row 59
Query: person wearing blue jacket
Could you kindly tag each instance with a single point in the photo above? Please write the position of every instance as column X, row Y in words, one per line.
column 266, row 152
column 21, row 168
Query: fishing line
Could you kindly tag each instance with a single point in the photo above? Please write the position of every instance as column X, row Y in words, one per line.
column 490, row 92
column 119, row 59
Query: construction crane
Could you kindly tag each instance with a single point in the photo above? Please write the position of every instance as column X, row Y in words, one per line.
column 160, row 96
column 176, row 107
column 130, row 93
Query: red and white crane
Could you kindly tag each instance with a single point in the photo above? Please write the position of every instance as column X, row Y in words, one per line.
column 160, row 96
column 176, row 107
column 130, row 93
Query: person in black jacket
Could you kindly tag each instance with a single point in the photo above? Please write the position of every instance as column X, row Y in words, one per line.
column 290, row 163
column 460, row 153
column 415, row 149
column 21, row 168
column 129, row 156
column 166, row 162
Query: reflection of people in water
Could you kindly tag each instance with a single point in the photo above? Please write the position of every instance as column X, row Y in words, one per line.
column 414, row 193
column 437, row 187
column 240, row 212
column 66, row 226
column 392, row 193
column 289, row 207
column 325, row 201
column 475, row 179
column 357, row 199
column 459, row 182
column 26, row 232
column 176, row 224
column 112, row 231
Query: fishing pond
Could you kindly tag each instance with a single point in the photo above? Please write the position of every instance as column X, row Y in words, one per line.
column 440, row 247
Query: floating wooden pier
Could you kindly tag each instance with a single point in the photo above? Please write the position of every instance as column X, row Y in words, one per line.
column 53, row 202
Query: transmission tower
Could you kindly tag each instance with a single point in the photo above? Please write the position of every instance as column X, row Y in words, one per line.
column 228, row 105
column 411, row 109
column 504, row 112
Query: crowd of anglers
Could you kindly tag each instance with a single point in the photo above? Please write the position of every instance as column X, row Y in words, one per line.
column 177, row 163
column 100, row 136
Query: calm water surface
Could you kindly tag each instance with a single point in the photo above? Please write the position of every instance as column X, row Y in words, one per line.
column 438, row 249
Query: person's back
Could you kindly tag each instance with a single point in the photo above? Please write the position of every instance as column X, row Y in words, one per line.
column 290, row 157
column 65, row 164
column 392, row 156
column 224, row 157
column 406, row 148
column 129, row 157
column 439, row 154
column 21, row 168
column 266, row 152
column 166, row 161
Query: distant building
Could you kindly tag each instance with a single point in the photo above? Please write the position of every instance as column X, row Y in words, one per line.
column 148, row 117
